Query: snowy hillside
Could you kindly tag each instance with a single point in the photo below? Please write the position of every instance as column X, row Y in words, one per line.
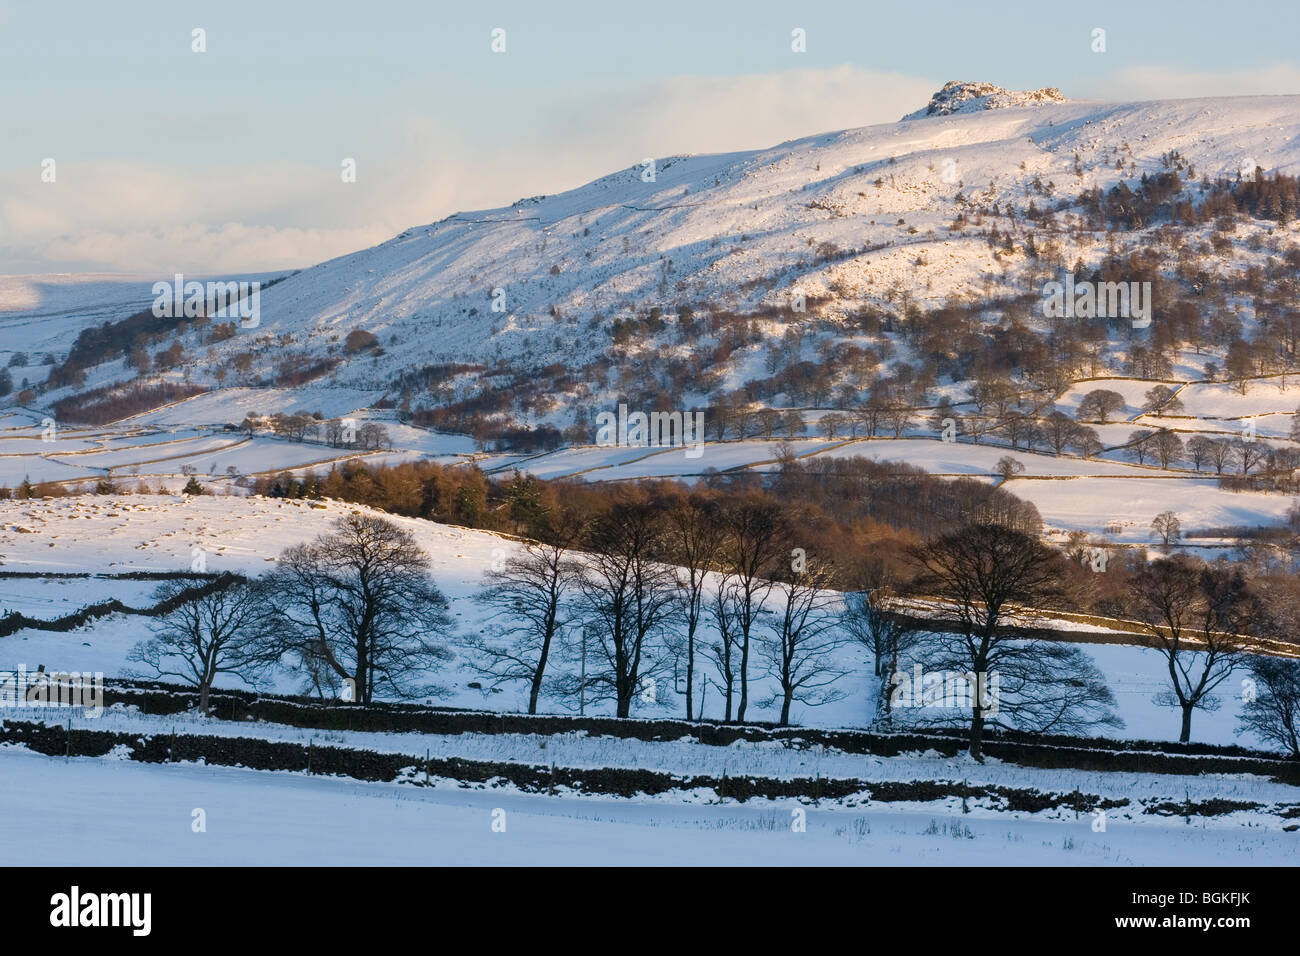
column 113, row 535
column 743, row 230
column 720, row 281
column 880, row 216
column 41, row 313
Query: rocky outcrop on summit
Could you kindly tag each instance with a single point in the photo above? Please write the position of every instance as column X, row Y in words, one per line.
column 962, row 97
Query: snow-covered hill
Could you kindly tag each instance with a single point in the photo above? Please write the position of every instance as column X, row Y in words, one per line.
column 857, row 216
column 801, row 237
column 44, row 313
column 844, row 220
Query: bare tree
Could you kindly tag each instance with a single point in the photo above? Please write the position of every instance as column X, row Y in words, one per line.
column 358, row 605
column 769, row 420
column 832, row 424
column 1195, row 614
column 801, row 648
column 1167, row 528
column 626, row 598
column 1060, row 431
column 694, row 536
column 722, row 611
column 1200, row 450
column 217, row 633
column 293, row 427
column 1017, row 427
column 372, row 435
column 1167, row 446
column 1008, row 467
column 870, row 414
column 1089, row 441
column 1249, row 454
column 1220, row 454
column 528, row 596
column 898, row 417
column 870, row 619
column 1099, row 405
column 994, row 395
column 340, row 431
column 1137, row 444
column 792, row 422
column 754, row 548
column 1272, row 711
column 995, row 584
column 1162, row 400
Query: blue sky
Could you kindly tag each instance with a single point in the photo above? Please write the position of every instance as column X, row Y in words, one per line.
column 229, row 160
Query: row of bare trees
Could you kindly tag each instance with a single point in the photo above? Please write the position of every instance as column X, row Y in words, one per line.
column 354, row 612
column 338, row 432
column 715, row 588
column 652, row 576
column 990, row 592
column 993, row 588
column 656, row 578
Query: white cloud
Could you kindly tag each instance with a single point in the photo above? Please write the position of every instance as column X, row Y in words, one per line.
column 1159, row 83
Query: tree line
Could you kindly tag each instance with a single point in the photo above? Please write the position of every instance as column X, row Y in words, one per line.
column 701, row 594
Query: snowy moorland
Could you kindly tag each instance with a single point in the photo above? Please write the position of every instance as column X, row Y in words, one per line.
column 876, row 293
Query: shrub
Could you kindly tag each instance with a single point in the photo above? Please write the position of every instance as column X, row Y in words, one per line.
column 359, row 340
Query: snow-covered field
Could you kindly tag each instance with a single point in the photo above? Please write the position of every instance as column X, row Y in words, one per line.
column 160, row 446
column 1070, row 492
column 687, row 757
column 117, row 534
column 138, row 814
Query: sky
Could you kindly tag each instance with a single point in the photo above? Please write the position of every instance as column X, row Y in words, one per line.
column 167, row 159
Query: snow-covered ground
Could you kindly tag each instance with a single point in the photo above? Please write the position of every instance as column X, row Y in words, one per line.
column 191, row 437
column 135, row 813
column 145, row 815
column 117, row 534
column 687, row 757
column 1070, row 492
